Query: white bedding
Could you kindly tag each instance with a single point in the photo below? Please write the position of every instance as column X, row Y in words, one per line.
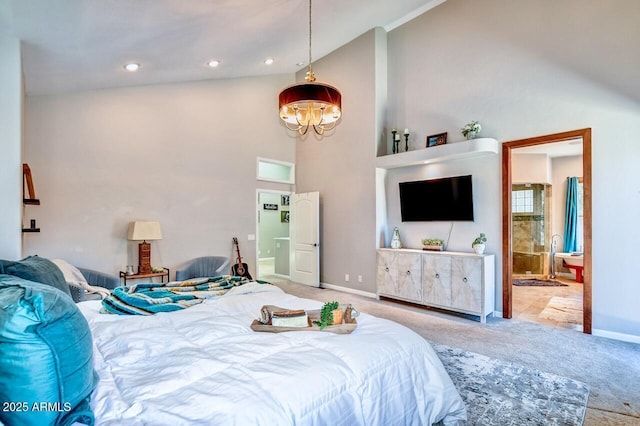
column 205, row 366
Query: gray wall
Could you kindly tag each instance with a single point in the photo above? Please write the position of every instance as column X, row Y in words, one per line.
column 171, row 153
column 11, row 102
column 341, row 166
column 490, row 61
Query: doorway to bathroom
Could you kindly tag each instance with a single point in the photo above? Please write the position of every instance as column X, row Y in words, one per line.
column 547, row 229
column 273, row 234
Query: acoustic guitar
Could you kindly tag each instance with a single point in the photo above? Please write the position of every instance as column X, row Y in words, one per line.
column 240, row 269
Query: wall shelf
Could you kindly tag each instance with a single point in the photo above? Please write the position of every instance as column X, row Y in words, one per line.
column 479, row 147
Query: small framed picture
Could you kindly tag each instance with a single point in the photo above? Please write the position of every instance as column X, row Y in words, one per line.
column 285, row 200
column 270, row 206
column 439, row 139
column 284, row 216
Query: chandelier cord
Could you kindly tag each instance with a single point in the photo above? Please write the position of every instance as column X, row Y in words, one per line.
column 310, row 76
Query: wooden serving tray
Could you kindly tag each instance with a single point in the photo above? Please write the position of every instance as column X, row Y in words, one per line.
column 344, row 328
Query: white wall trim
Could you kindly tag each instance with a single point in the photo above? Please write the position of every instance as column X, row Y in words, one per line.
column 411, row 15
column 616, row 336
column 348, row 290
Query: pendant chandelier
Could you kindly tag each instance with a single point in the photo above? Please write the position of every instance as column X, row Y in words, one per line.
column 310, row 104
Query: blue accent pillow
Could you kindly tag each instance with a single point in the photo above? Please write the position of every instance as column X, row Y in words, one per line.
column 38, row 269
column 46, row 356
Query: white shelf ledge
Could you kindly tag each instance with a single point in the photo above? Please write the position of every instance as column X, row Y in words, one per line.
column 479, row 147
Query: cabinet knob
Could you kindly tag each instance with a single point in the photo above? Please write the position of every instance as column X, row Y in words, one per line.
column 437, row 275
column 408, row 272
column 464, row 279
column 386, row 269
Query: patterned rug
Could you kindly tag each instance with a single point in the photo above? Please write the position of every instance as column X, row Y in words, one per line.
column 563, row 309
column 539, row 283
column 501, row 393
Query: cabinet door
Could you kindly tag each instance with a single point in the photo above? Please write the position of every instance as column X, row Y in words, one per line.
column 399, row 275
column 436, row 280
column 466, row 283
column 387, row 272
column 410, row 277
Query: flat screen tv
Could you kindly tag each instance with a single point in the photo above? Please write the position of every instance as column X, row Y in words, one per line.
column 445, row 199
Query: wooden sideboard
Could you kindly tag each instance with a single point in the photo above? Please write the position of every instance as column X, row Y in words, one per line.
column 460, row 282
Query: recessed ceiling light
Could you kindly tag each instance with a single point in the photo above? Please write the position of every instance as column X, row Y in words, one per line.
column 268, row 61
column 214, row 63
column 132, row 67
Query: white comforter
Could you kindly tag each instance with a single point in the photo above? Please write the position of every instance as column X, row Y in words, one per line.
column 205, row 366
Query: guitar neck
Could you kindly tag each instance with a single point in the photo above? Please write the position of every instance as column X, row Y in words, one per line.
column 238, row 251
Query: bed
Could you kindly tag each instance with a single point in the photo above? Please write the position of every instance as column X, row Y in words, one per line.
column 204, row 365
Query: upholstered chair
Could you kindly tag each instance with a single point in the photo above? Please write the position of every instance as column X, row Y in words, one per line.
column 206, row 266
column 94, row 278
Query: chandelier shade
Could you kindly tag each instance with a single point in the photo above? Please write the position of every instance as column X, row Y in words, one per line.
column 305, row 105
column 310, row 104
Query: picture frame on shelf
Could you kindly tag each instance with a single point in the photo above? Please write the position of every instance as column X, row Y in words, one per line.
column 438, row 139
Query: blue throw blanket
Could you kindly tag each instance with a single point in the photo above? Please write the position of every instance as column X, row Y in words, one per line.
column 151, row 298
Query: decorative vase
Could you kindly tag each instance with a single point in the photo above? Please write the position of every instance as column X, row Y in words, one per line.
column 395, row 240
column 471, row 135
column 478, row 248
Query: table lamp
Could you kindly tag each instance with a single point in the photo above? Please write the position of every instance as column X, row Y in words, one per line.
column 143, row 231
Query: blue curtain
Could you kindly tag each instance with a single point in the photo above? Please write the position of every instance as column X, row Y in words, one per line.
column 571, row 216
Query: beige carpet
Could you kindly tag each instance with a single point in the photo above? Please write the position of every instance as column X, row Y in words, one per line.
column 563, row 309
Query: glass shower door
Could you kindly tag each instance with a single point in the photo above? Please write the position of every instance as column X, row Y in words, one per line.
column 530, row 210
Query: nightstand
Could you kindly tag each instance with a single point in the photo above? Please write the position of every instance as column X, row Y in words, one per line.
column 162, row 275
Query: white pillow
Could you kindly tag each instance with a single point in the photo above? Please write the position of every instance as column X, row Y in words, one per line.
column 74, row 277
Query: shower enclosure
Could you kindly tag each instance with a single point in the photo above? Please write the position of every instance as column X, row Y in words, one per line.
column 531, row 243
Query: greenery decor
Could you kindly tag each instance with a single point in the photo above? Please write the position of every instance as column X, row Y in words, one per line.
column 432, row 242
column 470, row 130
column 481, row 239
column 326, row 314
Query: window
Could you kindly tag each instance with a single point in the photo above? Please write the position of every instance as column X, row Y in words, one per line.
column 522, row 201
column 275, row 171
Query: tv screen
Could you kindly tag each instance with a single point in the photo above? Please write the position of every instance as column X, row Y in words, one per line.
column 446, row 199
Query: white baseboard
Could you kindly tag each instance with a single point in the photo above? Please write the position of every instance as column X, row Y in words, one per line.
column 616, row 336
column 348, row 290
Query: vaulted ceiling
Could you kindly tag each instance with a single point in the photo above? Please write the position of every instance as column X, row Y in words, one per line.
column 73, row 45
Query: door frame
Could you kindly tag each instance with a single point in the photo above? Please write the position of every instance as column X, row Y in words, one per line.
column 507, row 244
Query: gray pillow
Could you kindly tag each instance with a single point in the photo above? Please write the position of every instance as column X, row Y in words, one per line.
column 38, row 269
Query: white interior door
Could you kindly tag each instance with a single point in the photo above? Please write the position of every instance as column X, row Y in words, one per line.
column 304, row 226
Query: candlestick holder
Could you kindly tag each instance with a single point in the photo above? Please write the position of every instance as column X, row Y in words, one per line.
column 393, row 140
column 406, row 141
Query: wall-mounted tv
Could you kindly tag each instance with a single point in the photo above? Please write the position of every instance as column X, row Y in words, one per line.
column 445, row 199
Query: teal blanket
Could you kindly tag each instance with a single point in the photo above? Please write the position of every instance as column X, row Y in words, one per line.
column 151, row 298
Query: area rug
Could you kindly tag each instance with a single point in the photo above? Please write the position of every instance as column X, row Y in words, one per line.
column 563, row 309
column 501, row 393
column 539, row 283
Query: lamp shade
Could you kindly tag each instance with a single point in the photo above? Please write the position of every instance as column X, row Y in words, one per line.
column 143, row 231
